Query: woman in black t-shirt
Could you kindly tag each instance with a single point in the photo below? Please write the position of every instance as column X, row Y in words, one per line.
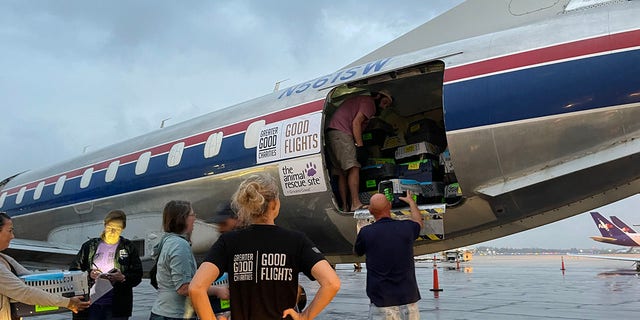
column 263, row 261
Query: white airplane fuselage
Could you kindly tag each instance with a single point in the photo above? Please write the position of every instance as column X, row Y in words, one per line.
column 542, row 123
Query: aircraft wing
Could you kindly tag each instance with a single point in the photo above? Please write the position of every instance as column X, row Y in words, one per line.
column 34, row 254
column 42, row 246
column 604, row 239
column 632, row 259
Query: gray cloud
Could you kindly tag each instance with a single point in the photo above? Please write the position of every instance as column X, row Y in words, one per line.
column 78, row 73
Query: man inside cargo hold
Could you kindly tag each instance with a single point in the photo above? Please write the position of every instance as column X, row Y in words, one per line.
column 344, row 137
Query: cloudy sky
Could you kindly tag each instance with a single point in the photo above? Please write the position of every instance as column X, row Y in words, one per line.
column 81, row 75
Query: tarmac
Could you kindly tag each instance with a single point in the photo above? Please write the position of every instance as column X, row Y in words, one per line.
column 488, row 287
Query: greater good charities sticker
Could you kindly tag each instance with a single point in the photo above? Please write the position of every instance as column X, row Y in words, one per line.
column 289, row 138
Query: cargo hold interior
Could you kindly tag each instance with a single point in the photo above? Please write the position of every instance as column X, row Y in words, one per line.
column 406, row 144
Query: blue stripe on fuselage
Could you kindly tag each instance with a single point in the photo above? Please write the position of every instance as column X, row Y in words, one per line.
column 232, row 156
column 565, row 87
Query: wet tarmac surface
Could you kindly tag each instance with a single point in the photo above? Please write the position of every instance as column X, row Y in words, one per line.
column 498, row 287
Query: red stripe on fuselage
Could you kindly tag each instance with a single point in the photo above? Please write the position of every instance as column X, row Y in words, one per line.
column 563, row 51
column 235, row 128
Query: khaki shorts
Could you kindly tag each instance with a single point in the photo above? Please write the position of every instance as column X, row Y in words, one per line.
column 403, row 312
column 342, row 150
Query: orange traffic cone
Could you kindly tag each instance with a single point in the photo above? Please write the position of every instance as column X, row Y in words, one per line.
column 436, row 287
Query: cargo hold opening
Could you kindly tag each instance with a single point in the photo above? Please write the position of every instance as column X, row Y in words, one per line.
column 406, row 144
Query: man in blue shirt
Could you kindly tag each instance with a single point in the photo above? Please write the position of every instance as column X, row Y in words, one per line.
column 388, row 245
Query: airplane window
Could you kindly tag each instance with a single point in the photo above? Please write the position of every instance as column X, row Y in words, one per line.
column 175, row 155
column 212, row 147
column 111, row 171
column 252, row 135
column 20, row 195
column 2, row 197
column 143, row 163
column 59, row 185
column 38, row 191
column 86, row 178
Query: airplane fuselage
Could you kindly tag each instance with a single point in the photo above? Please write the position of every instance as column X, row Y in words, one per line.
column 541, row 124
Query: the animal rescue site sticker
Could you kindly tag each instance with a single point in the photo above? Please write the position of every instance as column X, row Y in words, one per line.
column 302, row 176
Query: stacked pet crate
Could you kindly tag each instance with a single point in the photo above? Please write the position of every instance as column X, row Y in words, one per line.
column 376, row 170
column 415, row 159
column 67, row 283
column 452, row 190
column 418, row 171
column 378, row 165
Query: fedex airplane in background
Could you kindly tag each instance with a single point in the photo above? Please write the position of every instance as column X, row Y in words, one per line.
column 620, row 224
column 538, row 104
column 614, row 233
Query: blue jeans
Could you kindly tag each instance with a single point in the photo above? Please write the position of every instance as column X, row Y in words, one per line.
column 154, row 316
column 402, row 312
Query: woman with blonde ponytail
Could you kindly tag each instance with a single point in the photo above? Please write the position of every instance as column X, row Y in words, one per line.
column 252, row 199
column 263, row 261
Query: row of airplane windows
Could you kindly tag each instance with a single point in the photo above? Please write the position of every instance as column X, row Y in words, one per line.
column 211, row 149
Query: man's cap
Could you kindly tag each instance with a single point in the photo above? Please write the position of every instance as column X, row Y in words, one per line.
column 223, row 213
column 386, row 93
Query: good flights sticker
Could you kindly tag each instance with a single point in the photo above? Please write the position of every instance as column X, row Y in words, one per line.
column 302, row 176
column 289, row 138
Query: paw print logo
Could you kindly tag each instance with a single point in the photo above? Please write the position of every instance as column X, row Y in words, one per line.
column 311, row 169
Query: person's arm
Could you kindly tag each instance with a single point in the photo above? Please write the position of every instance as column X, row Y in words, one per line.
column 181, row 264
column 77, row 304
column 183, row 290
column 415, row 212
column 356, row 127
column 329, row 286
column 17, row 267
column 359, row 247
column 11, row 286
column 206, row 274
column 80, row 262
column 132, row 275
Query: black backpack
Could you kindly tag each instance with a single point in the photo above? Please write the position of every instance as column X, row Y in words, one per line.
column 154, row 269
column 152, row 275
